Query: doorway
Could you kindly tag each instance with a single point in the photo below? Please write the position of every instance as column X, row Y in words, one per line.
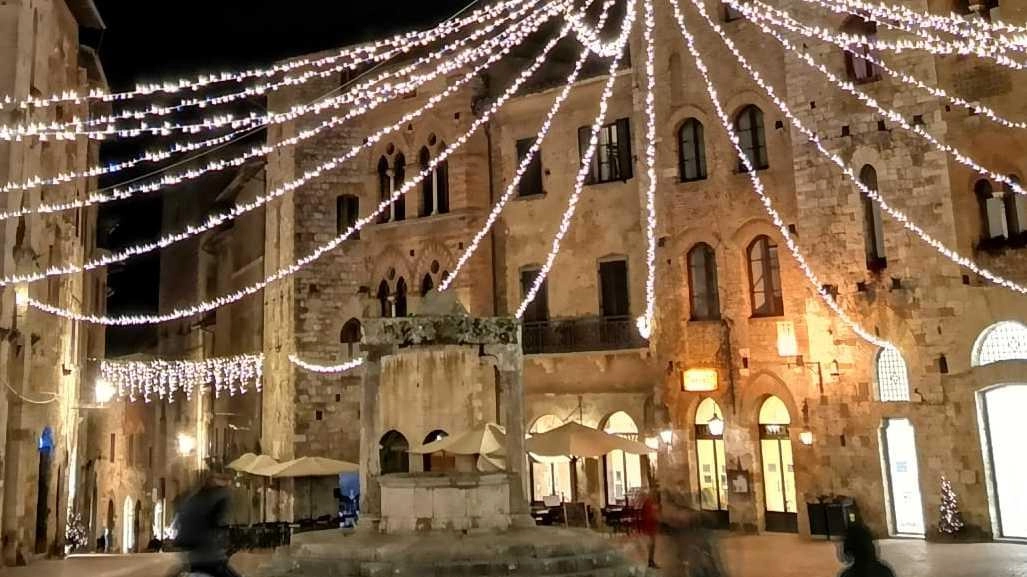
column 1002, row 418
column 711, row 464
column 902, row 477
column 43, row 488
column 778, row 467
column 128, row 526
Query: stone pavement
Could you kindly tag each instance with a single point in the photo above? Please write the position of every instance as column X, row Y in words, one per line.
column 791, row 556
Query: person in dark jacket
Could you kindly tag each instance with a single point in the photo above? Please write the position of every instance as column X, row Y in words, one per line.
column 859, row 552
column 199, row 521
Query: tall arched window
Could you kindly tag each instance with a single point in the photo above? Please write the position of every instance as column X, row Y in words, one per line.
column 995, row 223
column 427, row 185
column 710, row 457
column 1002, row 341
column 385, row 300
column 349, row 337
column 873, row 225
column 401, row 298
column 385, row 183
column 749, row 127
column 691, row 151
column 347, row 212
column 857, row 65
column 764, row 278
column 427, row 284
column 702, row 282
column 1016, row 209
column 399, row 170
column 392, row 453
column 892, row 375
column 623, row 471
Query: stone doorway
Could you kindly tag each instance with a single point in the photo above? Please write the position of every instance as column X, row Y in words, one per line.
column 1002, row 422
column 43, row 488
column 780, row 505
column 902, row 477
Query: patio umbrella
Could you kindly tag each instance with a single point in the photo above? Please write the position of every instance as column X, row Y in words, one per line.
column 313, row 467
column 262, row 466
column 242, row 462
column 576, row 440
column 486, row 439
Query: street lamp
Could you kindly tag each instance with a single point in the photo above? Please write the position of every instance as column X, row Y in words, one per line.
column 186, row 444
column 103, row 391
column 716, row 425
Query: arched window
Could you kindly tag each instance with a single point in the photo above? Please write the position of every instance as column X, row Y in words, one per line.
column 691, row 151
column 780, row 498
column 399, row 168
column 349, row 337
column 385, row 300
column 385, row 183
column 401, row 298
column 702, row 282
column 347, row 212
column 993, row 210
column 392, row 453
column 892, row 375
column 873, row 225
column 1016, row 209
column 752, row 136
column 550, row 476
column 437, row 461
column 764, row 278
column 623, row 471
column 427, row 185
column 441, row 175
column 1002, row 341
column 427, row 284
column 986, row 9
column 857, row 65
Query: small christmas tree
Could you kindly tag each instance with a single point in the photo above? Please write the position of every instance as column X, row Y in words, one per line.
column 951, row 519
column 75, row 538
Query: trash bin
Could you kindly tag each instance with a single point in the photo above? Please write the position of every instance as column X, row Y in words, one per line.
column 832, row 516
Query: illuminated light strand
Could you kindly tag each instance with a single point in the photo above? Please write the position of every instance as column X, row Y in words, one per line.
column 874, row 195
column 163, row 378
column 645, row 322
column 203, row 81
column 237, row 210
column 590, row 37
column 526, row 162
column 916, row 25
column 518, row 32
column 757, row 186
column 900, row 45
column 120, row 193
column 783, row 20
column 326, row 369
column 62, row 132
column 892, row 115
column 586, row 164
column 956, row 24
column 321, row 250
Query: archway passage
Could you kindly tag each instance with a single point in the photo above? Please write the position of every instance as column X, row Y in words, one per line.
column 623, row 471
column 711, row 462
column 392, row 453
column 107, row 533
column 903, row 477
column 46, row 448
column 1002, row 414
column 128, row 526
column 778, row 467
column 437, row 462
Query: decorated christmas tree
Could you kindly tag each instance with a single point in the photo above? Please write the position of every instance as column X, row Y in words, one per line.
column 951, row 519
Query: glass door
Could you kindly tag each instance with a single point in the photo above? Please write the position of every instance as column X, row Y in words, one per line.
column 903, row 477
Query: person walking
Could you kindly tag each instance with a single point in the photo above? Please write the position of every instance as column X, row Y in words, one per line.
column 649, row 523
column 199, row 520
column 859, row 552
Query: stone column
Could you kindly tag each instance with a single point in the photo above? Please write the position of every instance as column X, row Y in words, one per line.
column 370, row 467
column 511, row 387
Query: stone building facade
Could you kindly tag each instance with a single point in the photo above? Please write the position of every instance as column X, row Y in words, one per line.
column 807, row 409
column 43, row 359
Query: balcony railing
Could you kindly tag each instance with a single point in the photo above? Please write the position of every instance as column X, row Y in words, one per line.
column 581, row 335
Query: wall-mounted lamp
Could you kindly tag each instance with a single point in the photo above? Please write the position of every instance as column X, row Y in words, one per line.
column 186, row 444
column 716, row 425
column 103, row 391
column 806, row 437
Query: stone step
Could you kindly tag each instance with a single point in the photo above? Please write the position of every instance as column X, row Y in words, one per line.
column 605, row 565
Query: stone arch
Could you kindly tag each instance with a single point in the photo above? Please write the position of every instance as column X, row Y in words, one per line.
column 761, row 386
column 392, row 456
column 432, row 251
column 1001, row 341
column 391, row 257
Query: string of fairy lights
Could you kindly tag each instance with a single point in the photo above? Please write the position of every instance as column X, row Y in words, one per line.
column 469, row 46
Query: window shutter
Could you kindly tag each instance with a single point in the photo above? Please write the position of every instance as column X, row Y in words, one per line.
column 624, row 149
column 584, row 133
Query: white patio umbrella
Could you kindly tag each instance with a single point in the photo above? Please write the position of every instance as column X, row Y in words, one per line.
column 485, row 439
column 576, row 440
column 242, row 462
column 313, row 467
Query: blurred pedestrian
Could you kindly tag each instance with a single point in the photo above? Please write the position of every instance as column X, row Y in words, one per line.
column 649, row 523
column 693, row 548
column 199, row 520
column 859, row 552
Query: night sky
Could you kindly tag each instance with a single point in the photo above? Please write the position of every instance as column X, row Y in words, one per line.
column 153, row 40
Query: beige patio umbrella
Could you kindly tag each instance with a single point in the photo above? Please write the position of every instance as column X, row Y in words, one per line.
column 485, row 439
column 313, row 467
column 242, row 462
column 576, row 440
column 262, row 466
